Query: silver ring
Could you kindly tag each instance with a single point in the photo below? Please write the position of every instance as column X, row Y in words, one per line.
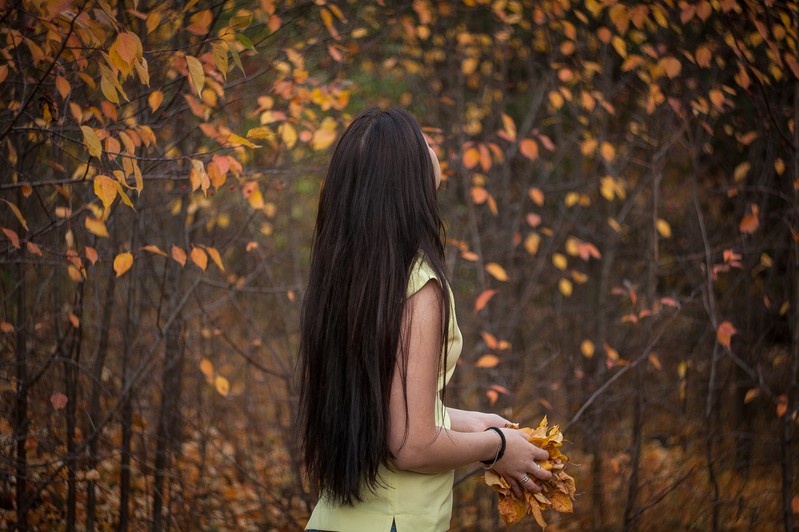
column 538, row 466
column 525, row 479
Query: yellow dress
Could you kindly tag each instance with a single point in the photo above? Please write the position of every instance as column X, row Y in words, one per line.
column 415, row 502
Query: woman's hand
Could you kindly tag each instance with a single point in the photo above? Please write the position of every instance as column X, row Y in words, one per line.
column 518, row 466
column 471, row 421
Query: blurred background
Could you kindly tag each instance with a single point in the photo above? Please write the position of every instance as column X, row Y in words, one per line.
column 620, row 191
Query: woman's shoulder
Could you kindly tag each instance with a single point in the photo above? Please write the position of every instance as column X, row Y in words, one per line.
column 421, row 273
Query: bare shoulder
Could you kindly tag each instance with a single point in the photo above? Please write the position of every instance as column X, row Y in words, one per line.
column 424, row 308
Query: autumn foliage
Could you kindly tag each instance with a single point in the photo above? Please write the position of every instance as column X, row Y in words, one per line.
column 557, row 493
column 620, row 187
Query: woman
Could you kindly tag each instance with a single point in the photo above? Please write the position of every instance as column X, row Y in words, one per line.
column 379, row 342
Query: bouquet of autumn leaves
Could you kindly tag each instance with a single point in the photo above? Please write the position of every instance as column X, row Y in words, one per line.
column 557, row 492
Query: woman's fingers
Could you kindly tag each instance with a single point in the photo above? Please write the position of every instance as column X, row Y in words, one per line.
column 540, row 472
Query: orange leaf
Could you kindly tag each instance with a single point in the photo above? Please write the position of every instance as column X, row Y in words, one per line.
column 490, row 340
column 122, row 263
column 479, row 195
column 724, row 333
column 529, row 148
column 487, row 361
column 207, row 368
column 751, row 395
column 33, row 248
column 199, row 257
column 537, row 196
column 483, row 299
column 12, row 236
column 750, row 222
column 178, row 255
column 782, row 405
column 152, row 248
column 91, row 254
column 215, row 257
column 587, row 348
column 470, row 158
column 496, row 271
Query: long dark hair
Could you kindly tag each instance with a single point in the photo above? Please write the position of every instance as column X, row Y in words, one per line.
column 377, row 213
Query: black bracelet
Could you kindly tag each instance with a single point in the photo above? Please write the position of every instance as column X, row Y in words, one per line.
column 500, row 449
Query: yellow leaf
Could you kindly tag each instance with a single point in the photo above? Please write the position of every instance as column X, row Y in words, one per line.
column 663, row 228
column 588, row 146
column 509, row 126
column 323, row 138
column 288, row 134
column 607, row 151
column 199, row 257
column 587, row 348
column 96, row 227
column 487, row 361
column 261, row 132
column 740, row 171
column 222, row 385
column 724, row 333
column 106, row 189
column 220, row 49
column 559, row 261
column 75, row 273
column 122, row 263
column 469, row 65
column 178, row 255
column 611, row 353
column 565, row 287
column 532, row 242
column 238, row 140
column 196, row 73
column 92, row 141
column 496, row 271
column 779, row 166
column 155, row 99
column 17, row 213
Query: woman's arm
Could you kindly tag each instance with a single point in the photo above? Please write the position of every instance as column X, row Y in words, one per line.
column 414, row 439
column 472, row 421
